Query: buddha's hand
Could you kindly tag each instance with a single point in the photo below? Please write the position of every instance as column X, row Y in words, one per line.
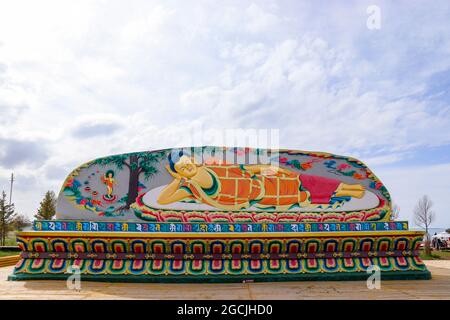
column 175, row 175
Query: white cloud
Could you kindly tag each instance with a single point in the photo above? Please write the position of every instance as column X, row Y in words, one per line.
column 259, row 20
column 147, row 75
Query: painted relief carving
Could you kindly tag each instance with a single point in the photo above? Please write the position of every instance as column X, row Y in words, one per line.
column 176, row 185
column 237, row 187
column 109, row 181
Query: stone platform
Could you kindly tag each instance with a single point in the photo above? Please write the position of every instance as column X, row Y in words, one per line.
column 223, row 256
column 437, row 288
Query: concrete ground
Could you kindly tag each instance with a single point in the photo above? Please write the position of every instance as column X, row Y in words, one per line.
column 437, row 288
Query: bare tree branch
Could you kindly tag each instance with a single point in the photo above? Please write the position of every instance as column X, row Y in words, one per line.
column 424, row 216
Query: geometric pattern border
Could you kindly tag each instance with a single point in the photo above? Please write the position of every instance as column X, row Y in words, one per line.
column 112, row 256
column 217, row 267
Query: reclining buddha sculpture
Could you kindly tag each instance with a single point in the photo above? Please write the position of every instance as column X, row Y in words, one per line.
column 238, row 187
column 221, row 214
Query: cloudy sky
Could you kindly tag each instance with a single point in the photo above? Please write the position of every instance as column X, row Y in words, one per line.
column 84, row 79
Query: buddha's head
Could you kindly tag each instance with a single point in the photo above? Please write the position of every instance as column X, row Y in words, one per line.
column 109, row 174
column 182, row 164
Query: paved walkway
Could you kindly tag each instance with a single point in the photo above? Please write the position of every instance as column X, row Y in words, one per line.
column 437, row 288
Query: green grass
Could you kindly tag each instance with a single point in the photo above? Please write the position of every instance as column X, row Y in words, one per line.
column 9, row 253
column 11, row 239
column 435, row 255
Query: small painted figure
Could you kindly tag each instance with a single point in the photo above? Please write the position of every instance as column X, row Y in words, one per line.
column 109, row 181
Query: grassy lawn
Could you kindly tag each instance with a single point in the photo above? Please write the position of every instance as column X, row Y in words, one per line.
column 9, row 253
column 435, row 255
column 11, row 241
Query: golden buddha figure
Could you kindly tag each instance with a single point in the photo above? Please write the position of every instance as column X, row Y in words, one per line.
column 237, row 187
column 109, row 181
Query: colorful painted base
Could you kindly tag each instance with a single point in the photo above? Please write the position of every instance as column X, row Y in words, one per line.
column 219, row 257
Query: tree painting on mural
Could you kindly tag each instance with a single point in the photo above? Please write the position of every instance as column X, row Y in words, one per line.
column 139, row 164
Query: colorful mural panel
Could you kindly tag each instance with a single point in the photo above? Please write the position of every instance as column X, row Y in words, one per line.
column 218, row 184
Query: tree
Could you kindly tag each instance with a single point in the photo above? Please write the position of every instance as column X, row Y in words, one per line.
column 47, row 208
column 20, row 222
column 423, row 217
column 7, row 216
column 395, row 212
column 137, row 163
